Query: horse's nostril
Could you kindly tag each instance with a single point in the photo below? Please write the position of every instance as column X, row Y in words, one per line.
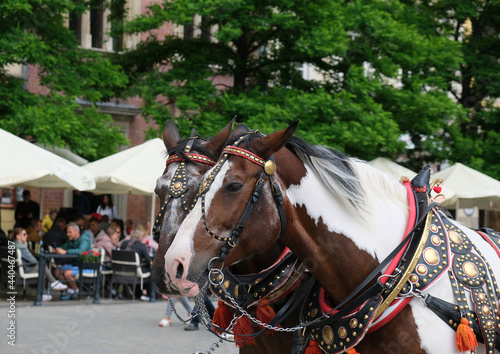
column 180, row 271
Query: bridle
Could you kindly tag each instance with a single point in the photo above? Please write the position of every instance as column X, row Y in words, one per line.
column 179, row 184
column 268, row 168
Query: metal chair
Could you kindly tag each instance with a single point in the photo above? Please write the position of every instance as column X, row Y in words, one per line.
column 127, row 269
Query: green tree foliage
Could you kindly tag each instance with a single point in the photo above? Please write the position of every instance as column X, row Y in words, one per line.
column 475, row 27
column 34, row 33
column 381, row 71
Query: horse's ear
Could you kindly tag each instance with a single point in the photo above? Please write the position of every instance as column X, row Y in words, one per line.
column 271, row 143
column 171, row 136
column 241, row 129
column 218, row 142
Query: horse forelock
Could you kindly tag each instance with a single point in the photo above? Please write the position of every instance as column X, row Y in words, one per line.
column 198, row 145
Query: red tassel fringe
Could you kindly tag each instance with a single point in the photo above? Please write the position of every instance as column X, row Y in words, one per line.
column 241, row 330
column 352, row 351
column 466, row 340
column 313, row 348
column 265, row 313
column 222, row 317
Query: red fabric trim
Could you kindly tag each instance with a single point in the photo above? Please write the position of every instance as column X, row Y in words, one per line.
column 174, row 158
column 412, row 215
column 233, row 150
column 201, row 158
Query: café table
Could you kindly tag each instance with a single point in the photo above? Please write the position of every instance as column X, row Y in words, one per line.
column 41, row 274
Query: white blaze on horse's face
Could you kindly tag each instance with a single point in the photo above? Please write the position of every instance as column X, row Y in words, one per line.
column 179, row 265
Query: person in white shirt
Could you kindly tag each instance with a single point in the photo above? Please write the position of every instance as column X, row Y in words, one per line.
column 107, row 208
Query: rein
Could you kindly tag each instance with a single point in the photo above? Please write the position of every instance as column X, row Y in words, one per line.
column 178, row 185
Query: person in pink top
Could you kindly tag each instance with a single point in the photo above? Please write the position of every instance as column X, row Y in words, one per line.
column 108, row 241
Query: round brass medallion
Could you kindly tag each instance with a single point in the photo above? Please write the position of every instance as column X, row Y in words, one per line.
column 342, row 332
column 434, row 228
column 421, row 269
column 489, row 325
column 470, row 269
column 269, row 167
column 226, row 284
column 435, row 240
column 314, row 312
column 431, row 256
column 482, row 296
column 455, row 237
column 353, row 323
column 486, row 310
column 413, row 278
column 177, row 186
column 327, row 335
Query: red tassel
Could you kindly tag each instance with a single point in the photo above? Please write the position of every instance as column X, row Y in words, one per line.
column 466, row 340
column 351, row 351
column 222, row 317
column 265, row 313
column 313, row 348
column 241, row 330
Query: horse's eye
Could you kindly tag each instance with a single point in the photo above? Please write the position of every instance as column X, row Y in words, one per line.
column 233, row 187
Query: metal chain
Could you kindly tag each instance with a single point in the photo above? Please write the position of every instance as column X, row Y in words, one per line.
column 175, row 311
column 205, row 320
column 253, row 319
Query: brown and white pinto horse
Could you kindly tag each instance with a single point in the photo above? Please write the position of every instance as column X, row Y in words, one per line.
column 176, row 201
column 343, row 218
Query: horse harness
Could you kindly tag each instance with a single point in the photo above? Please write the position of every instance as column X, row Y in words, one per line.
column 436, row 247
column 179, row 186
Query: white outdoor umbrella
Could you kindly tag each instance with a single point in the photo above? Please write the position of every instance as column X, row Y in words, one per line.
column 391, row 168
column 28, row 165
column 465, row 187
column 133, row 170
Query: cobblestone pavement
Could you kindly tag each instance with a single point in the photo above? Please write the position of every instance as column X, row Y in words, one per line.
column 114, row 326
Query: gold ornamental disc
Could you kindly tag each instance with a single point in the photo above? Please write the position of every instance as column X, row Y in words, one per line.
column 486, row 310
column 431, row 256
column 353, row 323
column 489, row 325
column 421, row 269
column 177, row 186
column 342, row 332
column 455, row 237
column 327, row 334
column 269, row 167
column 470, row 269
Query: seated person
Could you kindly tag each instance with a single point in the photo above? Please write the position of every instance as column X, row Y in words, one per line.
column 56, row 236
column 94, row 231
column 48, row 220
column 30, row 263
column 76, row 244
column 34, row 230
column 140, row 248
column 108, row 241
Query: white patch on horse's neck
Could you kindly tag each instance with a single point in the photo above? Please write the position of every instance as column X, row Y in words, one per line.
column 377, row 231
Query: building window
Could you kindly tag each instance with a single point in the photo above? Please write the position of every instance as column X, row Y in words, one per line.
column 96, row 26
column 75, row 25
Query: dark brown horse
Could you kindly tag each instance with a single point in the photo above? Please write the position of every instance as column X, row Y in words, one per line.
column 188, row 161
column 343, row 219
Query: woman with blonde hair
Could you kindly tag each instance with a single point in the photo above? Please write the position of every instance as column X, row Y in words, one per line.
column 30, row 263
column 136, row 245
